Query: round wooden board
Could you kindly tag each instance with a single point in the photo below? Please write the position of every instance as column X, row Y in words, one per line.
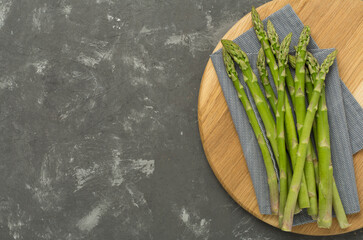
column 334, row 24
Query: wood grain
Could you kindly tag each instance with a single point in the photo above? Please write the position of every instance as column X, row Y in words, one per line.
column 333, row 23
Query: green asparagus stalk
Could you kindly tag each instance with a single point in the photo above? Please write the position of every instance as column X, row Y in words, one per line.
column 313, row 67
column 271, row 175
column 250, row 78
column 309, row 172
column 275, row 46
column 311, row 158
column 300, row 107
column 261, row 66
column 309, row 77
column 338, row 208
column 280, row 124
column 292, row 144
column 303, row 144
column 262, row 36
column 325, row 166
column 311, row 161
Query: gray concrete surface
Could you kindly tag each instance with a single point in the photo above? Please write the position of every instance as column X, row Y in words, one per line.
column 98, row 122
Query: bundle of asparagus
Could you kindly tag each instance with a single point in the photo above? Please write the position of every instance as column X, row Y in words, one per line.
column 306, row 182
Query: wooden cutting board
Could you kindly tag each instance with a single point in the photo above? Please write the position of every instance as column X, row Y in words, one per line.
column 334, row 24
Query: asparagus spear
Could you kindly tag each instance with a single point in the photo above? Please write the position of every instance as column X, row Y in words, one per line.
column 262, row 36
column 337, row 202
column 250, row 78
column 325, row 167
column 280, row 118
column 313, row 67
column 303, row 145
column 261, row 66
column 338, row 208
column 309, row 170
column 300, row 107
column 271, row 175
column 313, row 70
column 275, row 46
column 311, row 161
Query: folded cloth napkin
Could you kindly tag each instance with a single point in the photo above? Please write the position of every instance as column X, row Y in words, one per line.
column 345, row 116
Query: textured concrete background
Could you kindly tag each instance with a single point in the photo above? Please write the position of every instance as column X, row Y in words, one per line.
column 98, row 120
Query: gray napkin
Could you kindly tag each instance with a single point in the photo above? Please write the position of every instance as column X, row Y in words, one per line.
column 345, row 116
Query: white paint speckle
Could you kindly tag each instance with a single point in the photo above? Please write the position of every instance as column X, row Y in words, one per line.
column 194, row 41
column 8, row 82
column 136, row 63
column 63, row 116
column 40, row 66
column 4, row 11
column 65, row 48
column 127, row 125
column 145, row 166
column 104, row 55
column 92, row 104
column 66, row 10
column 137, row 197
column 242, row 228
column 15, row 224
column 116, row 27
column 104, row 1
column 136, row 116
column 144, row 30
column 42, row 20
column 181, row 133
column 118, row 22
column 136, row 81
column 197, row 225
column 122, row 167
column 109, row 17
column 98, row 56
column 84, row 175
column 177, row 40
column 44, row 190
column 184, row 216
column 209, row 20
column 160, row 67
column 87, row 60
column 88, row 222
column 42, row 96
